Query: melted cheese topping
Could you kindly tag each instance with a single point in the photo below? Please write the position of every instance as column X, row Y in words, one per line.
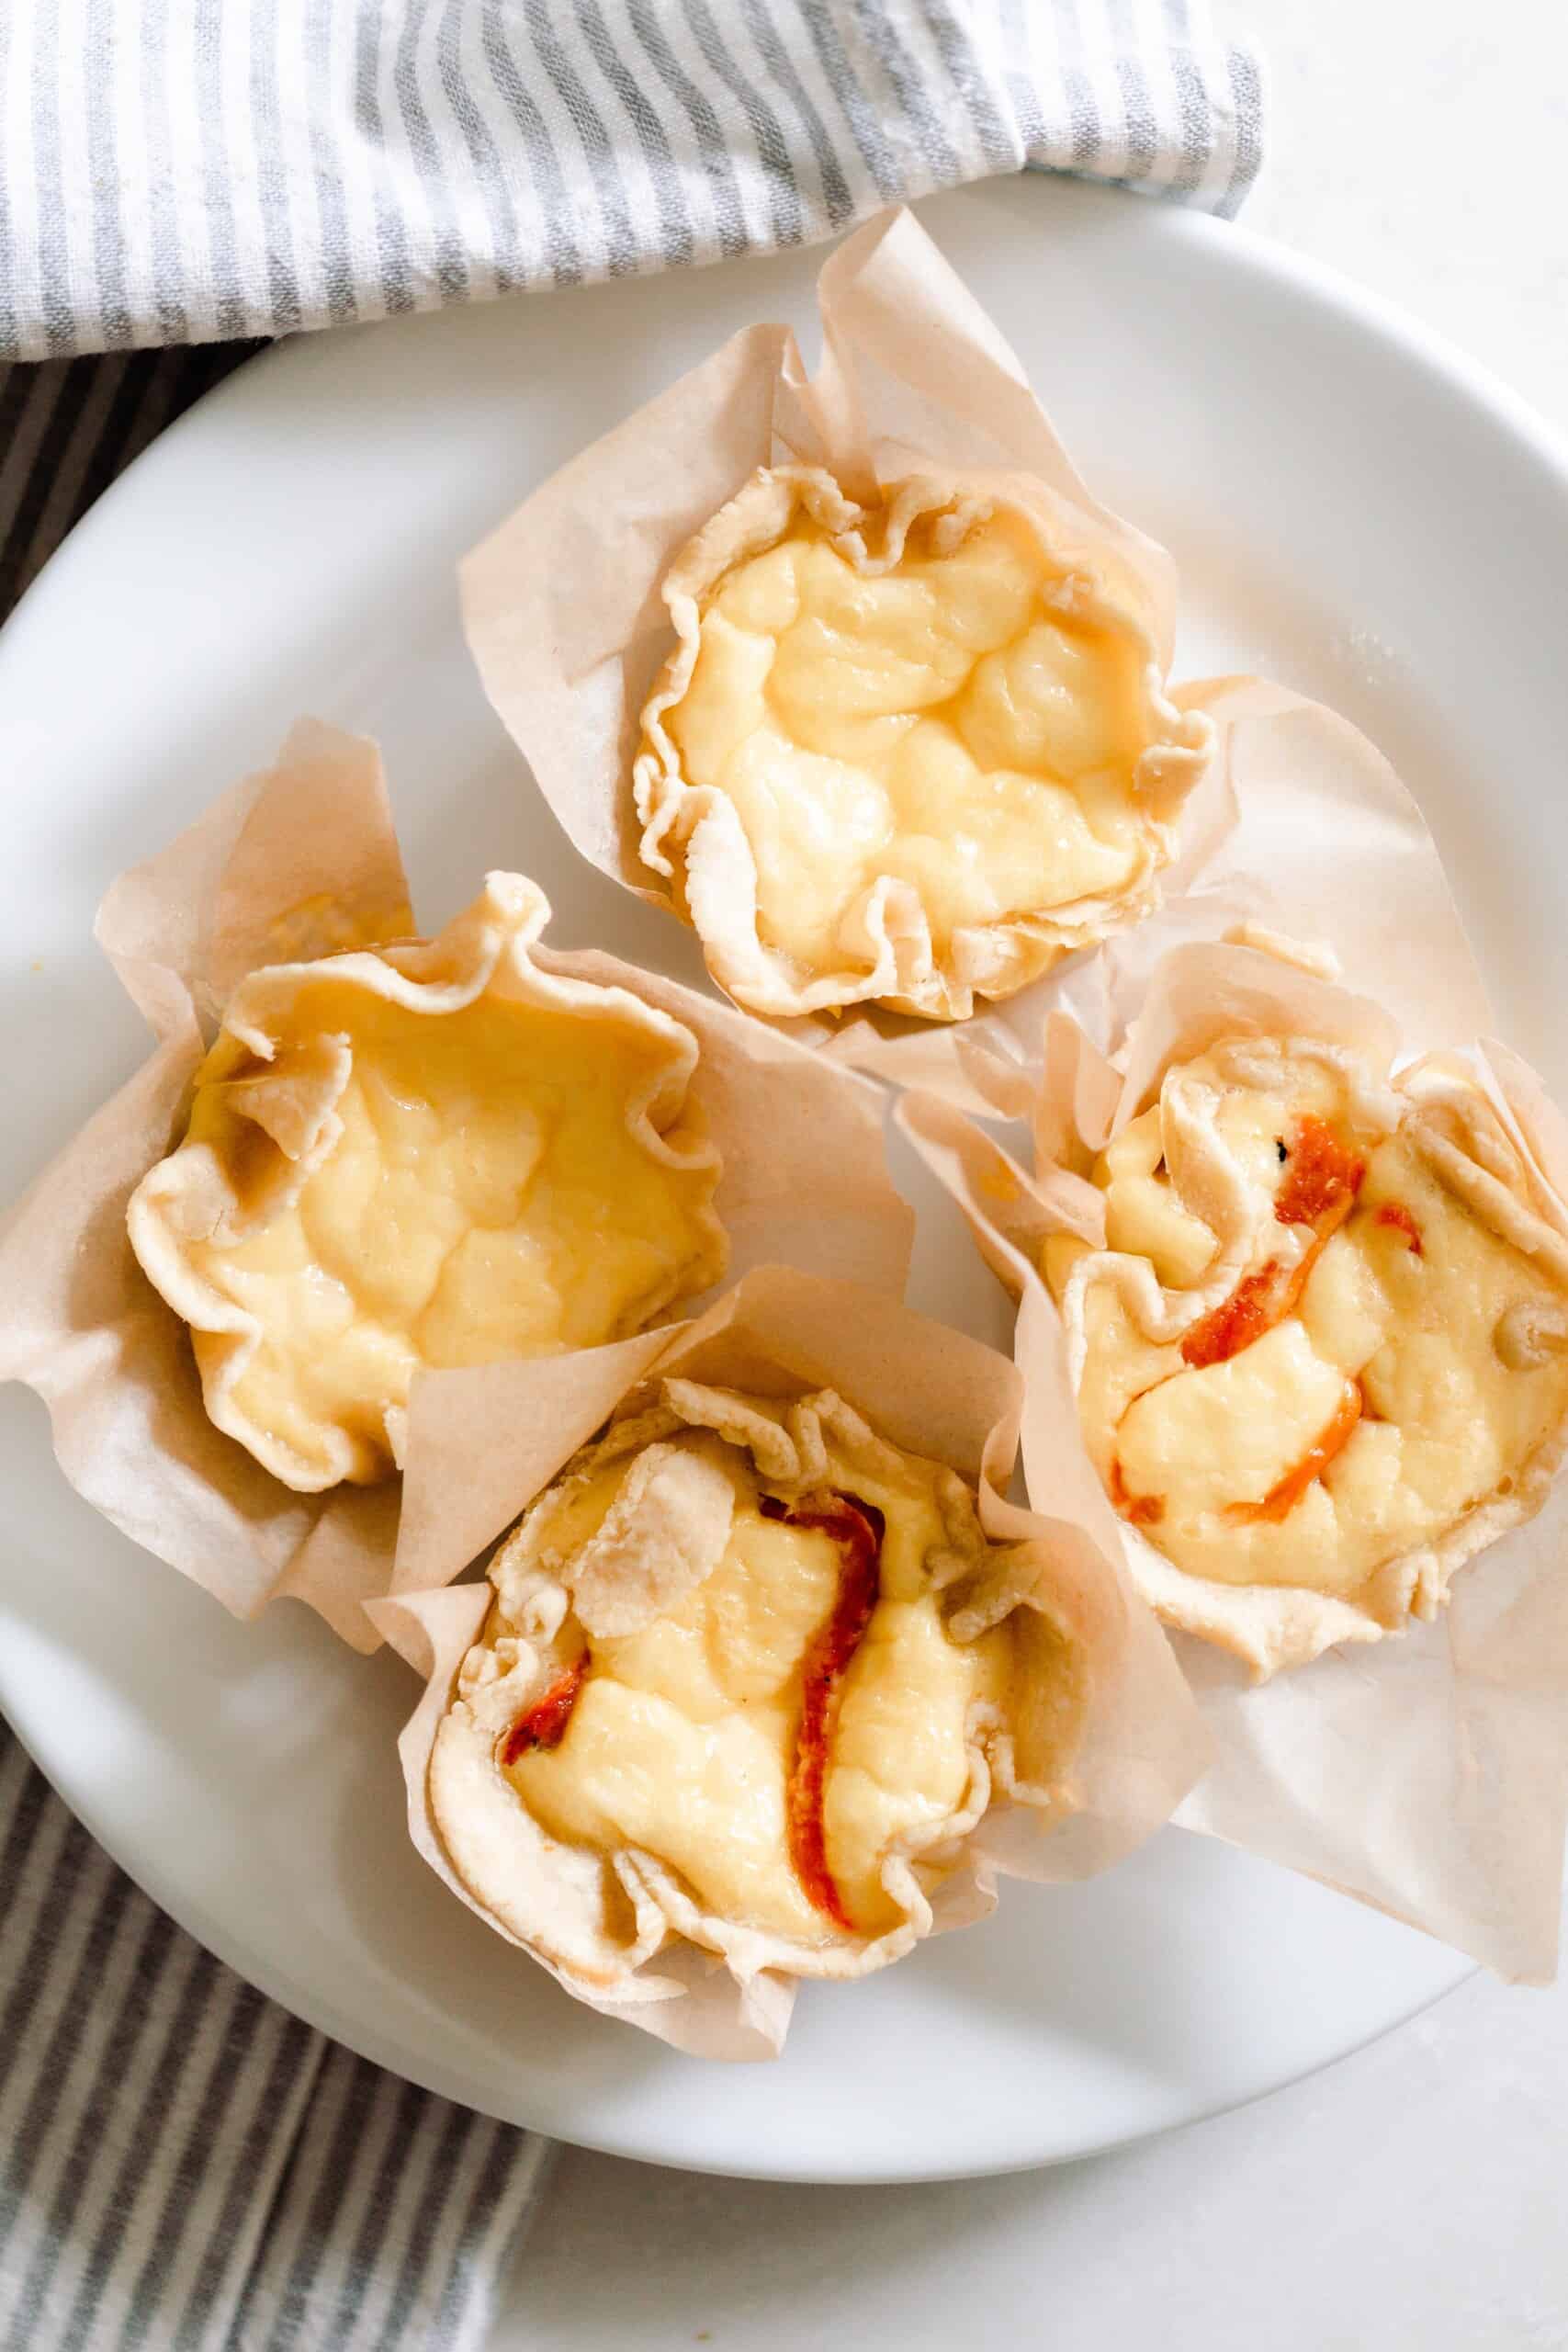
column 486, row 1198
column 1358, row 1425
column 944, row 722
column 684, row 1736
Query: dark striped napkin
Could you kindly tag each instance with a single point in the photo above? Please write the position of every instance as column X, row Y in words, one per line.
column 69, row 426
column 186, row 2167
column 183, row 2165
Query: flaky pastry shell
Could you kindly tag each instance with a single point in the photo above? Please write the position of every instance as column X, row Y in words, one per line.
column 279, row 1125
column 1091, row 1755
column 1475, row 1119
column 692, row 834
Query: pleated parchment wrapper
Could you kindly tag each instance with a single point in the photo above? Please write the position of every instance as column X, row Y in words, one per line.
column 562, row 603
column 1425, row 1773
column 933, row 1391
column 298, row 862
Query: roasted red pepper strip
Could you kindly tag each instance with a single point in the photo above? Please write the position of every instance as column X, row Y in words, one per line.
column 1322, row 1180
column 1395, row 1214
column 1286, row 1492
column 1321, row 1173
column 857, row 1528
column 544, row 1724
column 1141, row 1511
column 1249, row 1311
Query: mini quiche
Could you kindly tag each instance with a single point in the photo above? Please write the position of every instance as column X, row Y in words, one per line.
column 1322, row 1359
column 433, row 1153
column 751, row 1677
column 907, row 753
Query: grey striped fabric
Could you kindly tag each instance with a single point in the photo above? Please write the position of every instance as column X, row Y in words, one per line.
column 186, row 2167
column 194, row 171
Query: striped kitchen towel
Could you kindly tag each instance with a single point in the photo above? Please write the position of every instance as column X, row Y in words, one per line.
column 185, row 2168
column 179, row 172
column 195, row 170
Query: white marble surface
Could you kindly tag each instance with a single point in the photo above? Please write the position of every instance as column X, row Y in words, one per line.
column 1410, row 2198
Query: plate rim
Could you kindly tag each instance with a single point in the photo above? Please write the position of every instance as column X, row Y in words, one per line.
column 193, row 1921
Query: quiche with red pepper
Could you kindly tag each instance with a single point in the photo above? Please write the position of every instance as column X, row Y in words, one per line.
column 750, row 1676
column 1323, row 1358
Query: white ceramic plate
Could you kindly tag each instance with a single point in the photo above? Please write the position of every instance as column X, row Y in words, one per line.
column 1355, row 510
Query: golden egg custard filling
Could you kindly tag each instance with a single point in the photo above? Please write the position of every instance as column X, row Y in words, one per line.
column 1323, row 1357
column 432, row 1154
column 758, row 1671
column 904, row 752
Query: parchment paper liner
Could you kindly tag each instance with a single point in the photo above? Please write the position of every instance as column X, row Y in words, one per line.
column 301, row 860
column 928, row 1389
column 563, row 606
column 1426, row 1774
